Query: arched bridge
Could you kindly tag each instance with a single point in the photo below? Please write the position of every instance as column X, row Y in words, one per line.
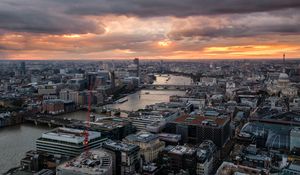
column 170, row 86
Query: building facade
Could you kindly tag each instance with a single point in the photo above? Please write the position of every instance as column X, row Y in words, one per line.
column 67, row 142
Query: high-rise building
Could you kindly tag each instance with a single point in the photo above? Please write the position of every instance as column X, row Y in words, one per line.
column 149, row 143
column 195, row 129
column 95, row 162
column 69, row 95
column 53, row 106
column 206, row 158
column 295, row 138
column 112, row 80
column 177, row 158
column 113, row 128
column 23, row 68
column 91, row 80
column 127, row 157
column 161, row 66
column 137, row 63
column 67, row 141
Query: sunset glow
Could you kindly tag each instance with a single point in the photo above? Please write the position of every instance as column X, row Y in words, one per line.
column 164, row 43
column 87, row 30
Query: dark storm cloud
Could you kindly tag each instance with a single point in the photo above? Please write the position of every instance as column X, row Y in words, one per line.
column 178, row 8
column 235, row 31
column 242, row 25
column 68, row 16
column 33, row 17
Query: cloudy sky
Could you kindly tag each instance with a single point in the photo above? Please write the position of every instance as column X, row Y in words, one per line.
column 150, row 29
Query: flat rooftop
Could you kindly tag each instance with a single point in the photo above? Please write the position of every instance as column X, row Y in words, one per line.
column 95, row 162
column 70, row 135
column 142, row 137
column 181, row 149
column 202, row 120
column 295, row 166
column 231, row 168
column 169, row 137
column 118, row 145
column 110, row 123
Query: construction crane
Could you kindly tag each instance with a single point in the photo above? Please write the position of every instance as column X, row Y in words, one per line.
column 87, row 126
column 88, row 119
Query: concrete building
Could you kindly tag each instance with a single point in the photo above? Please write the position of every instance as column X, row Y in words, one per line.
column 54, row 106
column 207, row 81
column 195, row 129
column 137, row 63
column 112, row 128
column 153, row 121
column 127, row 157
column 33, row 161
column 77, row 84
column 177, row 158
column 292, row 169
column 69, row 95
column 67, row 141
column 228, row 168
column 295, row 105
column 49, row 89
column 149, row 144
column 206, row 158
column 131, row 82
column 295, row 138
column 94, row 162
column 170, row 139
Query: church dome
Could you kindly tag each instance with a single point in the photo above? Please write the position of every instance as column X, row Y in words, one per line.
column 283, row 76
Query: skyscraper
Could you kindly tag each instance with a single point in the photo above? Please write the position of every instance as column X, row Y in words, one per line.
column 22, row 68
column 112, row 79
column 137, row 63
column 283, row 62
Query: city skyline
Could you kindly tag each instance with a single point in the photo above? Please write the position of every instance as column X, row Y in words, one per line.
column 102, row 29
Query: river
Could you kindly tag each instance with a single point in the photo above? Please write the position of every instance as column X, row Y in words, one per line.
column 16, row 140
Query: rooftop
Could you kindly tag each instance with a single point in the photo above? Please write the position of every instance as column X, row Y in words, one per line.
column 231, row 168
column 295, row 166
column 169, row 137
column 69, row 135
column 142, row 137
column 202, row 120
column 205, row 150
column 95, row 162
column 110, row 123
column 118, row 145
column 181, row 149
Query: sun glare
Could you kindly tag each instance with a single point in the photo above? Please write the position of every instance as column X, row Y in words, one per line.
column 71, row 36
column 164, row 43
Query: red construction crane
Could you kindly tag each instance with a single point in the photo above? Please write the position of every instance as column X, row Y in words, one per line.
column 88, row 119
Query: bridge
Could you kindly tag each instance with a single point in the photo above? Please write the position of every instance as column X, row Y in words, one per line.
column 52, row 121
column 170, row 86
column 106, row 108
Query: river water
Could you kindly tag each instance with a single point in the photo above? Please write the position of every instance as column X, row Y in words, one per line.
column 143, row 98
column 16, row 140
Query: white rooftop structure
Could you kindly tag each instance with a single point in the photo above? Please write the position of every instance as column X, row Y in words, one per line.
column 179, row 149
column 68, row 141
column 75, row 136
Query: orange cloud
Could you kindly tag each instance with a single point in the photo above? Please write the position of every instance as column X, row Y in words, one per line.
column 127, row 37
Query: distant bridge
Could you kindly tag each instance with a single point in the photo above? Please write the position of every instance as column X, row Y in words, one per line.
column 52, row 121
column 105, row 108
column 170, row 86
